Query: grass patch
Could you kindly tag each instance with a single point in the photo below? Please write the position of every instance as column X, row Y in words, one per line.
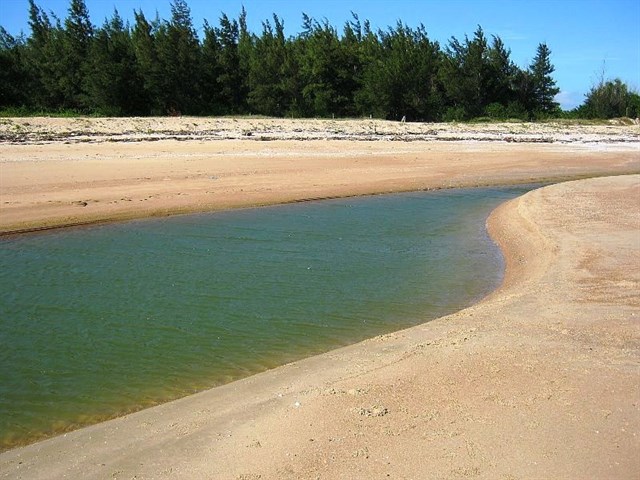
column 29, row 112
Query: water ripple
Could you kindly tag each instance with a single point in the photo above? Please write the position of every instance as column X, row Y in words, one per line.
column 100, row 321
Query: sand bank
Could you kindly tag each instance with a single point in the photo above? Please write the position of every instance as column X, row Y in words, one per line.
column 56, row 172
column 540, row 380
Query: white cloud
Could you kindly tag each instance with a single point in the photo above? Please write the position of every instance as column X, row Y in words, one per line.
column 568, row 100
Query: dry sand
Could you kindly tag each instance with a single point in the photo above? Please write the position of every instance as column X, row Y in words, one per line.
column 539, row 380
column 70, row 171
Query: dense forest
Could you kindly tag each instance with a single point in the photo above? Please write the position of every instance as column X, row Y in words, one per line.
column 162, row 67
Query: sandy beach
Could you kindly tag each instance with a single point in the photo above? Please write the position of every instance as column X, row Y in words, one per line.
column 539, row 380
column 57, row 172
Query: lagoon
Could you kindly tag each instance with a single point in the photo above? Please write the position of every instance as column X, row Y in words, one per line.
column 100, row 321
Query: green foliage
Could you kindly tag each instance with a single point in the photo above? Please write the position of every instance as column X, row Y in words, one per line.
column 42, row 61
column 543, row 86
column 610, row 99
column 401, row 77
column 145, row 38
column 77, row 38
column 496, row 111
column 162, row 67
column 466, row 74
column 230, row 81
column 114, row 85
column 455, row 114
column 13, row 74
column 269, row 68
column 178, row 51
column 324, row 72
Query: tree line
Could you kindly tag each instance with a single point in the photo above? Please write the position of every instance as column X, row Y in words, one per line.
column 163, row 67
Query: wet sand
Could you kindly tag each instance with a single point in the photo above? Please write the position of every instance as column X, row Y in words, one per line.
column 539, row 380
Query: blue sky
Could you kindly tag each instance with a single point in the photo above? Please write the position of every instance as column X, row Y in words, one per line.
column 586, row 37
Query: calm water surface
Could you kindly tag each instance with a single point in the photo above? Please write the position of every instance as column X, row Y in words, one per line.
column 96, row 322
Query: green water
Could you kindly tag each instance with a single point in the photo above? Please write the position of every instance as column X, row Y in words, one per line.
column 100, row 321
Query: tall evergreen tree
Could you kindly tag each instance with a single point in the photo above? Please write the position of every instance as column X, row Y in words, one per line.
column 351, row 71
column 148, row 64
column 246, row 50
column 501, row 75
column 543, row 85
column 466, row 75
column 230, row 80
column 13, row 74
column 78, row 35
column 293, row 81
column 43, row 60
column 178, row 54
column 367, row 99
column 322, row 68
column 210, row 71
column 114, row 85
column 268, row 95
column 402, row 80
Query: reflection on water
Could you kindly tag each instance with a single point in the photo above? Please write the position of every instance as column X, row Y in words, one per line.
column 99, row 321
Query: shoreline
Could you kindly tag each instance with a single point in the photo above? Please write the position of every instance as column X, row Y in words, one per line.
column 45, row 228
column 490, row 282
column 67, row 181
column 527, row 366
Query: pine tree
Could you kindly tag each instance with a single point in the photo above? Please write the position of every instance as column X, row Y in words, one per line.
column 178, row 54
column 43, row 60
column 148, row 65
column 210, row 71
column 321, row 65
column 267, row 93
column 402, row 80
column 78, row 35
column 246, row 50
column 13, row 75
column 466, row 76
column 543, row 85
column 367, row 99
column 501, row 94
column 114, row 84
column 351, row 69
column 230, row 81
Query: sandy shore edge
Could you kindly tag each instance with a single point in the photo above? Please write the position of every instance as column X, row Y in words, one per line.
column 57, row 172
column 539, row 380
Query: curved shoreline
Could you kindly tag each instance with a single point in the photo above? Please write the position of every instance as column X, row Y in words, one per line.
column 484, row 284
column 37, row 225
column 538, row 380
column 64, row 182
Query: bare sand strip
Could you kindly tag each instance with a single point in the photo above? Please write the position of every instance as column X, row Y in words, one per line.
column 57, row 172
column 539, row 380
